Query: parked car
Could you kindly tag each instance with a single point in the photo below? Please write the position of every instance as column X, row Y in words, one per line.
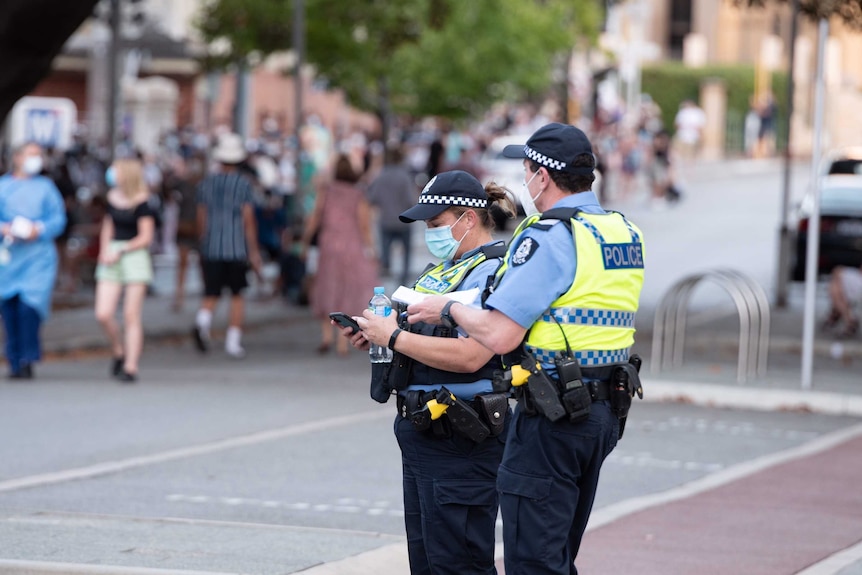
column 840, row 223
column 842, row 161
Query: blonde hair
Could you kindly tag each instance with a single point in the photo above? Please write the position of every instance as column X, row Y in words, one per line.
column 130, row 178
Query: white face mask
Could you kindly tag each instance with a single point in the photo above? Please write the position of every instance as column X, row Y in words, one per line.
column 528, row 202
column 32, row 165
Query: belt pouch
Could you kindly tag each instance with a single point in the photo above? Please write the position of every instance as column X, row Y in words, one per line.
column 622, row 390
column 545, row 396
column 416, row 412
column 575, row 395
column 463, row 418
column 399, row 374
column 577, row 401
column 492, row 408
column 380, row 390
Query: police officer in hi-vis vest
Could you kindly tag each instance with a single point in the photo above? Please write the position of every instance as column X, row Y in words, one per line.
column 450, row 427
column 565, row 305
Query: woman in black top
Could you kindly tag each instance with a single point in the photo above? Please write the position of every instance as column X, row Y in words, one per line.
column 124, row 264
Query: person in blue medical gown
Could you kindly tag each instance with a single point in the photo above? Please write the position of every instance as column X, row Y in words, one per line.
column 31, row 216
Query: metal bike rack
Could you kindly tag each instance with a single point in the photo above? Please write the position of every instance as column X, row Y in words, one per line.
column 752, row 306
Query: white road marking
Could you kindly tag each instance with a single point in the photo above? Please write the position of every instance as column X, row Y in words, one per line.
column 85, row 519
column 45, row 567
column 648, row 460
column 835, row 563
column 118, row 465
column 721, row 427
column 375, row 508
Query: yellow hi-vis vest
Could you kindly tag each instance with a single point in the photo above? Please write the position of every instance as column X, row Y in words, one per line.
column 441, row 280
column 596, row 315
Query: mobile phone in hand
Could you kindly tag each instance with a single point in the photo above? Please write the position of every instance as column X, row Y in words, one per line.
column 345, row 320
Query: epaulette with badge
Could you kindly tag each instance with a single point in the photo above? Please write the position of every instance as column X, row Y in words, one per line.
column 545, row 226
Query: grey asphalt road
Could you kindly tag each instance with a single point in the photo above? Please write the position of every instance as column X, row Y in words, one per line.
column 274, row 464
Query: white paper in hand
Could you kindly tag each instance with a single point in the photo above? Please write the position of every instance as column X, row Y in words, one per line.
column 408, row 296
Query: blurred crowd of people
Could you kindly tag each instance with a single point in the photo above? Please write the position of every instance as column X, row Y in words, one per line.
column 316, row 217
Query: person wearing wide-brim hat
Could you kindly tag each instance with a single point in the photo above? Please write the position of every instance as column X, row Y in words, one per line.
column 228, row 242
column 566, row 303
column 229, row 150
column 449, row 475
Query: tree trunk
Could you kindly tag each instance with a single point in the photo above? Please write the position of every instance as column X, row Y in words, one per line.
column 384, row 109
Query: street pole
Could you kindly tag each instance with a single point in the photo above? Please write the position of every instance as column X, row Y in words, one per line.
column 784, row 233
column 113, row 78
column 241, row 101
column 299, row 52
column 813, row 245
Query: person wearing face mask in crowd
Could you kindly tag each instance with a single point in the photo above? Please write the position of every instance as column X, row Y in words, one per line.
column 449, row 471
column 32, row 215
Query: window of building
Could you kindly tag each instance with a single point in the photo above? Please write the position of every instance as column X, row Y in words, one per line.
column 680, row 26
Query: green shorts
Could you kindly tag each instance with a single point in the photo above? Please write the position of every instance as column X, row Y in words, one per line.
column 134, row 267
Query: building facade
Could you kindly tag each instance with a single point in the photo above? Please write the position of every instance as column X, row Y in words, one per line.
column 719, row 32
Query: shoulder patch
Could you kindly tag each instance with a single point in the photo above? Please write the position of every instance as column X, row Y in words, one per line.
column 525, row 250
column 544, row 227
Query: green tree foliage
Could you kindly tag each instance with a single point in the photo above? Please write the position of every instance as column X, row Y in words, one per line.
column 446, row 57
column 850, row 11
column 491, row 49
column 353, row 43
column 249, row 26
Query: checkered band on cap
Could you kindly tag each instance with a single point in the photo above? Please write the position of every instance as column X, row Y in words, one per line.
column 544, row 160
column 452, row 201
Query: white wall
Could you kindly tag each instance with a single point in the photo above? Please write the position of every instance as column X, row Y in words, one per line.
column 175, row 17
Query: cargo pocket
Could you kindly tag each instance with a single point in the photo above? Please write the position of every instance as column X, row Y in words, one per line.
column 461, row 530
column 525, row 505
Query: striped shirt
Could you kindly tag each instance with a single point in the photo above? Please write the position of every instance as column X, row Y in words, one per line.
column 223, row 196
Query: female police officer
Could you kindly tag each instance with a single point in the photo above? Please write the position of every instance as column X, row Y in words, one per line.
column 449, row 471
column 570, row 292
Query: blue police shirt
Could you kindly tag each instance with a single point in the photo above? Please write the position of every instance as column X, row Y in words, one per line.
column 542, row 265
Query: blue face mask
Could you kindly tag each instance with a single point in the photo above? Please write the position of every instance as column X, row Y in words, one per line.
column 440, row 241
column 111, row 177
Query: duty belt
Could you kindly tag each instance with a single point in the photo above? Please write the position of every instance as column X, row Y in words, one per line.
column 572, row 391
column 442, row 413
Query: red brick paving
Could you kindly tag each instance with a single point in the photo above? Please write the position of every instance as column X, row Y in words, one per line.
column 775, row 522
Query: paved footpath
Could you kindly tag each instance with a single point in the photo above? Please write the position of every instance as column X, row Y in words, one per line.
column 796, row 514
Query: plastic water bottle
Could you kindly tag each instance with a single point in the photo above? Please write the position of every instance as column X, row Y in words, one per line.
column 382, row 306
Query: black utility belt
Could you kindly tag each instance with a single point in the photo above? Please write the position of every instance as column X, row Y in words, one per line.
column 556, row 402
column 441, row 413
column 570, row 395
